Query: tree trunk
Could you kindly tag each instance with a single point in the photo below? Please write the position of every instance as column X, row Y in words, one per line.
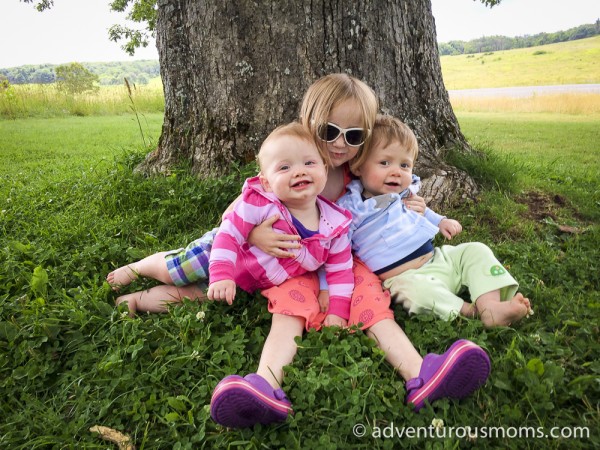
column 235, row 69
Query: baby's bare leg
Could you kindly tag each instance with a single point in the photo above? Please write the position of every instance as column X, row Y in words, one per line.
column 280, row 348
column 493, row 312
column 156, row 299
column 153, row 266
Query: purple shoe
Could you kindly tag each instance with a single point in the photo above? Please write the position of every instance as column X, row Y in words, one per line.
column 243, row 402
column 456, row 374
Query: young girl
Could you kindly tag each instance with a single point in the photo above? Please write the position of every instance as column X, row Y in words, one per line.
column 396, row 243
column 340, row 110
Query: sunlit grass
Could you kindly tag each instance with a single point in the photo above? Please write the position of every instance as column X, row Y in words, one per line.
column 71, row 209
column 584, row 104
column 45, row 100
column 572, row 62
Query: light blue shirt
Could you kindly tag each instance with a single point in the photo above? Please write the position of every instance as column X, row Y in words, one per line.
column 383, row 231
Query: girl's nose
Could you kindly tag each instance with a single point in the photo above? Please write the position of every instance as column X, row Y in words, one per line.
column 339, row 142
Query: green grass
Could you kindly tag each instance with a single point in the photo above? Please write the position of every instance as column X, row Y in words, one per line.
column 572, row 62
column 69, row 144
column 556, row 152
column 69, row 360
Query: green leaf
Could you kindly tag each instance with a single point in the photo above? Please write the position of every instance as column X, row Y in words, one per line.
column 172, row 417
column 39, row 281
column 536, row 366
column 176, row 404
column 19, row 247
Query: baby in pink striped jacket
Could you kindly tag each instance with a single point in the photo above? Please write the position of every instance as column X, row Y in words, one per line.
column 292, row 174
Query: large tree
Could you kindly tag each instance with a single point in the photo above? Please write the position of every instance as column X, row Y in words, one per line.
column 234, row 69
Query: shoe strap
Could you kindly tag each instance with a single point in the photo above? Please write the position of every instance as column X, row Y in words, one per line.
column 414, row 383
column 280, row 395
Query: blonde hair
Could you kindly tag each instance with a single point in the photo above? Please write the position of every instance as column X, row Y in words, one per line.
column 297, row 130
column 388, row 129
column 331, row 90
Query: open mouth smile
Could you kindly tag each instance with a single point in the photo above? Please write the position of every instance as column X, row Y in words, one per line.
column 301, row 184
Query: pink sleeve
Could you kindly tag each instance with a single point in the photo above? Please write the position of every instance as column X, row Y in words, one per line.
column 233, row 234
column 338, row 270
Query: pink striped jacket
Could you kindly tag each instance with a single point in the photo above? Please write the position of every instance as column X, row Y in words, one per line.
column 232, row 258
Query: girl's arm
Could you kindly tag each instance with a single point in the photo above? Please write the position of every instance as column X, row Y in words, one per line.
column 272, row 243
column 263, row 236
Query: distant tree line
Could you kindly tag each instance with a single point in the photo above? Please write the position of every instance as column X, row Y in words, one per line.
column 109, row 73
column 497, row 43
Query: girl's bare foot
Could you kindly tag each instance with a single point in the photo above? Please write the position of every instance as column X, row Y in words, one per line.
column 497, row 313
column 122, row 277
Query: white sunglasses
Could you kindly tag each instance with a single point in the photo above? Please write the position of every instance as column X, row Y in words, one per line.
column 354, row 137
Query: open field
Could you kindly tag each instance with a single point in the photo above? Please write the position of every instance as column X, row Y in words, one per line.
column 568, row 103
column 570, row 62
column 45, row 100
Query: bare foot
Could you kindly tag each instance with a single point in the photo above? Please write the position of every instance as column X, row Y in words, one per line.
column 131, row 301
column 121, row 277
column 505, row 313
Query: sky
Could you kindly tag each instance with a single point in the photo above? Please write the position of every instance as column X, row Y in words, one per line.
column 467, row 19
column 77, row 30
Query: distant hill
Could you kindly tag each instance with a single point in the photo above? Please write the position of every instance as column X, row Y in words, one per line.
column 572, row 62
column 138, row 72
column 497, row 43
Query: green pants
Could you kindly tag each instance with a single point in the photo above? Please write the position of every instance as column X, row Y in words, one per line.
column 433, row 288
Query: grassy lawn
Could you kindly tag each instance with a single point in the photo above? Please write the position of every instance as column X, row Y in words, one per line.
column 70, row 360
column 69, row 144
column 556, row 152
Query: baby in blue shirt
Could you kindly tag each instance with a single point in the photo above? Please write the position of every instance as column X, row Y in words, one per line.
column 396, row 243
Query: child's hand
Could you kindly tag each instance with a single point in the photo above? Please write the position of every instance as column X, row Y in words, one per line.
column 222, row 290
column 335, row 321
column 272, row 243
column 415, row 203
column 323, row 300
column 450, row 228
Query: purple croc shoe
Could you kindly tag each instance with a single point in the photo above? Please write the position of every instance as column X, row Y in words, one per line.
column 243, row 402
column 456, row 374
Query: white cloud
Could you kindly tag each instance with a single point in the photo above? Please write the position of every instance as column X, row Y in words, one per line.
column 77, row 30
column 73, row 30
column 470, row 19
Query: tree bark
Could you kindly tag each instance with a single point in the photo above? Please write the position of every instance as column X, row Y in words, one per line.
column 234, row 70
